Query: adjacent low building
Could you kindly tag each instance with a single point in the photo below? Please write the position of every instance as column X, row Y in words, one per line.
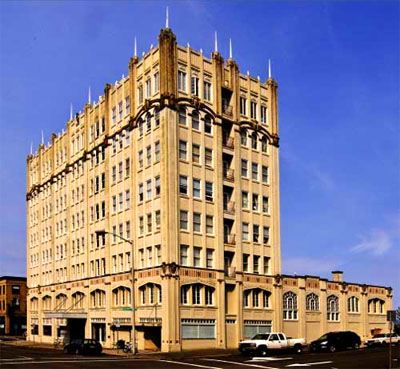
column 12, row 305
column 173, row 172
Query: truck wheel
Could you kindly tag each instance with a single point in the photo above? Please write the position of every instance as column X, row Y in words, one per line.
column 332, row 348
column 262, row 351
column 298, row 349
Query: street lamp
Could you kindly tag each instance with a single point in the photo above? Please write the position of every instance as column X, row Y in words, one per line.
column 102, row 233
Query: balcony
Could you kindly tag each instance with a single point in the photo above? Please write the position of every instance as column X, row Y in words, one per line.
column 228, row 142
column 229, row 207
column 229, row 175
column 229, row 239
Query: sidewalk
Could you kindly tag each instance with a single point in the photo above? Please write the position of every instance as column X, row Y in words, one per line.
column 141, row 355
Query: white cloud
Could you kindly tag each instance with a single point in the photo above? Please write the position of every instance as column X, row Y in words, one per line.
column 377, row 242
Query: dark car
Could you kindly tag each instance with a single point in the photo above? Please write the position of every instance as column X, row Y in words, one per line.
column 83, row 346
column 334, row 341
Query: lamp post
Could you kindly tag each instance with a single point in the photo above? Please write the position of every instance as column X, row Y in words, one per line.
column 103, row 233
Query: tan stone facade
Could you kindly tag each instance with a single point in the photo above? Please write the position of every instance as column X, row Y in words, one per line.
column 181, row 157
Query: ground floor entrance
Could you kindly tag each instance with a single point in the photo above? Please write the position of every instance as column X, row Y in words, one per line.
column 99, row 332
column 149, row 338
column 76, row 328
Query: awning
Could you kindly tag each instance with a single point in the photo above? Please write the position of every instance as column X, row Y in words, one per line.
column 65, row 315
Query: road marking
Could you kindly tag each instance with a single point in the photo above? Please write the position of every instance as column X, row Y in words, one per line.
column 196, row 365
column 23, row 358
column 309, row 364
column 268, row 359
column 69, row 361
column 240, row 363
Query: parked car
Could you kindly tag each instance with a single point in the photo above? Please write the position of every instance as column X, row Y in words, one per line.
column 83, row 346
column 334, row 341
column 382, row 339
column 261, row 343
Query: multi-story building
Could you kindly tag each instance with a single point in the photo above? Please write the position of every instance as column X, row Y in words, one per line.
column 12, row 305
column 181, row 159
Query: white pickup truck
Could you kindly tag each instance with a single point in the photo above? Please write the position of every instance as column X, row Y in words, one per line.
column 261, row 343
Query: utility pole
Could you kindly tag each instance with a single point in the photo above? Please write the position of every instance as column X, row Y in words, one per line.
column 133, row 303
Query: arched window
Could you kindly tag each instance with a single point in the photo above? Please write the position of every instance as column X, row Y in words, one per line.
column 195, row 120
column 34, row 303
column 61, row 301
column 207, row 124
column 312, row 302
column 243, row 137
column 182, row 115
column 98, row 298
column 376, row 306
column 289, row 306
column 352, row 304
column 151, row 294
column 78, row 300
column 256, row 298
column 333, row 308
column 197, row 294
column 121, row 296
column 46, row 302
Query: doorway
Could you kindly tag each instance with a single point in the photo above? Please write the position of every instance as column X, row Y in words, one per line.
column 152, row 338
column 99, row 332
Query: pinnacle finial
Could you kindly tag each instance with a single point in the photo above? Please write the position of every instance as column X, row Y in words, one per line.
column 89, row 96
column 42, row 137
column 269, row 69
column 167, row 19
column 31, row 148
column 230, row 49
column 135, row 48
column 70, row 112
column 215, row 42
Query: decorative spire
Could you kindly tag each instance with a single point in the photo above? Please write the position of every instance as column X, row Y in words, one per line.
column 90, row 96
column 230, row 49
column 42, row 138
column 167, row 19
column 269, row 69
column 215, row 42
column 70, row 112
column 135, row 48
column 31, row 148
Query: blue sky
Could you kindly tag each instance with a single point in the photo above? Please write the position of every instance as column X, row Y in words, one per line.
column 337, row 65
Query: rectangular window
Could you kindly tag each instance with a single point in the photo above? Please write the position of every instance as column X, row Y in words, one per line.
column 245, row 262
column 140, row 159
column 157, row 186
column 127, row 167
column 264, row 116
column 209, row 191
column 148, row 155
column 120, row 110
column 197, row 256
column 114, row 174
column 245, row 231
column 114, row 115
column 209, row 224
column 156, row 82
column 148, row 189
column 243, row 105
column 128, row 229
column 158, row 254
column 245, row 200
column 266, row 235
column 265, row 205
column 127, row 105
column 183, row 189
column 198, row 328
column 128, row 199
column 183, row 150
column 141, row 258
column 149, row 256
column 253, row 110
column 207, row 91
column 196, row 294
column 196, row 222
column 209, row 258
column 140, row 94
column 157, row 151
column 244, row 168
column 181, row 80
column 265, row 176
column 114, row 204
column 196, row 188
column 256, row 233
column 158, row 219
column 184, row 254
column 196, row 153
column 120, row 201
column 195, row 85
column 254, row 171
column 120, row 170
column 208, row 157
column 141, row 197
column 256, row 264
column 141, row 225
column 183, row 220
column 255, row 203
column 266, row 265
column 148, row 88
column 149, row 223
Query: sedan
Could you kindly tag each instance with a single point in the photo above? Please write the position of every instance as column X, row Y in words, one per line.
column 83, row 346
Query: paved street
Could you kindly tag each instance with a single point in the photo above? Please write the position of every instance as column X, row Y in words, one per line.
column 14, row 357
